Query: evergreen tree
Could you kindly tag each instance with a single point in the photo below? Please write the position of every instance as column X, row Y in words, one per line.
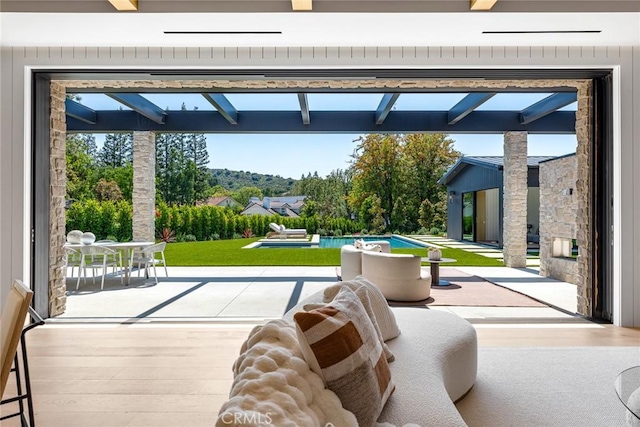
column 117, row 150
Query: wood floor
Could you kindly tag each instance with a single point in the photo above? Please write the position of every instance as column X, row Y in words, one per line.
column 179, row 375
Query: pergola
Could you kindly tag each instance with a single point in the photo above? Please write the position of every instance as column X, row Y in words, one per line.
column 542, row 117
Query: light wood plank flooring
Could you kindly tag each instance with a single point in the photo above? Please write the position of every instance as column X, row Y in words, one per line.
column 179, row 375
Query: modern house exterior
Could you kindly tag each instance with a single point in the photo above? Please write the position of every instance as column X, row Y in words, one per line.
column 475, row 202
column 600, row 66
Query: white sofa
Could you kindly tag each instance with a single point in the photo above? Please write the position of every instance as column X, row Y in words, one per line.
column 435, row 365
column 399, row 276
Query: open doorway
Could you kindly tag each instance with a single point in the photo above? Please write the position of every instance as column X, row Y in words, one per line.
column 428, row 84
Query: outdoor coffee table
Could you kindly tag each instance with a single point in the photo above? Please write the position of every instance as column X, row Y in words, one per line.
column 628, row 390
column 435, row 270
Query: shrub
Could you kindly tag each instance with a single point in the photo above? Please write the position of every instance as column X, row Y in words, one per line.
column 166, row 235
column 247, row 233
column 364, row 231
column 189, row 238
column 337, row 232
column 237, row 236
column 422, row 231
column 214, row 236
column 322, row 231
column 435, row 231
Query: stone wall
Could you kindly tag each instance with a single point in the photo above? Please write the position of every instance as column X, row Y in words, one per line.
column 57, row 215
column 514, row 228
column 558, row 215
column 584, row 194
column 144, row 185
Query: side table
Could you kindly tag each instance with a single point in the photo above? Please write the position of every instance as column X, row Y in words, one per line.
column 435, row 270
column 628, row 390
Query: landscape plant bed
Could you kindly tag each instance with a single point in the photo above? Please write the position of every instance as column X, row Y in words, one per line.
column 230, row 253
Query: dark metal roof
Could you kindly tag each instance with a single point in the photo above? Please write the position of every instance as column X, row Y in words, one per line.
column 496, row 162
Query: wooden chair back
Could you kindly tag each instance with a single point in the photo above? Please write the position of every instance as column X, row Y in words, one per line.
column 14, row 315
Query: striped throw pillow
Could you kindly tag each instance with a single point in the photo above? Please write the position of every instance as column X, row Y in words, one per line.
column 340, row 344
column 386, row 320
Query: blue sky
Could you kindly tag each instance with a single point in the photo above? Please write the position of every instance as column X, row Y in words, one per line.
column 293, row 155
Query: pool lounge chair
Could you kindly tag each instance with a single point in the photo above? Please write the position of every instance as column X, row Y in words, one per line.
column 285, row 232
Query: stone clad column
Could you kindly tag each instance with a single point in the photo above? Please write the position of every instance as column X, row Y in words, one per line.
column 58, row 189
column 144, row 185
column 515, row 199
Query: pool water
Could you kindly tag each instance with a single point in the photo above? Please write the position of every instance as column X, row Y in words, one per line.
column 396, row 242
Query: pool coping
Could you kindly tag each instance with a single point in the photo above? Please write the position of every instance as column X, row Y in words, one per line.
column 314, row 242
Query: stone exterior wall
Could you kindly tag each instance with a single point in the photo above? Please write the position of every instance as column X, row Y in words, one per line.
column 514, row 234
column 558, row 214
column 583, row 192
column 57, row 215
column 144, row 185
column 583, row 131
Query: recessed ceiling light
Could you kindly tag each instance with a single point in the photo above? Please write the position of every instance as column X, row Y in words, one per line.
column 125, row 4
column 482, row 4
column 301, row 4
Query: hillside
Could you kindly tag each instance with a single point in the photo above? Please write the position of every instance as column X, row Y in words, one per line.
column 270, row 184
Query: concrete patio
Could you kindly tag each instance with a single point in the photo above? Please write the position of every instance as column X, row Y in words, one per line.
column 256, row 294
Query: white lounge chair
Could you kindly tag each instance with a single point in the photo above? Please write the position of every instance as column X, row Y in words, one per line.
column 288, row 232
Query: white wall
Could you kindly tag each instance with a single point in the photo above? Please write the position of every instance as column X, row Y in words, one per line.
column 625, row 60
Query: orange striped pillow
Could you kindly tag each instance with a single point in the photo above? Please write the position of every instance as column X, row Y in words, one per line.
column 340, row 344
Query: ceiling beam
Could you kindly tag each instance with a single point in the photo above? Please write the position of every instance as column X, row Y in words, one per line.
column 547, row 106
column 482, row 4
column 78, row 111
column 357, row 122
column 140, row 105
column 301, row 4
column 304, row 108
column 123, row 5
column 386, row 104
column 223, row 105
column 467, row 105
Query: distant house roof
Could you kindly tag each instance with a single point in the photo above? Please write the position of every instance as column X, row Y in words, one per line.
column 291, row 214
column 218, row 200
column 496, row 162
column 256, row 208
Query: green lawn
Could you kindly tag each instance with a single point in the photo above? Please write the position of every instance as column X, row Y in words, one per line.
column 230, row 252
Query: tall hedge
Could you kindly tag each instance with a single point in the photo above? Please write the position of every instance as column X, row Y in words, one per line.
column 114, row 220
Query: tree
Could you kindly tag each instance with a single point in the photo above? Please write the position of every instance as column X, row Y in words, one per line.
column 117, row 150
column 403, row 170
column 108, row 190
column 181, row 167
column 81, row 165
column 243, row 195
column 376, row 171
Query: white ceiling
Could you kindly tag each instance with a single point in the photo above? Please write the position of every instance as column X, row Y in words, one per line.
column 315, row 29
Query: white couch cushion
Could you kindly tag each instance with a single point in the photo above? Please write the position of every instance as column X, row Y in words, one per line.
column 386, row 320
column 341, row 341
column 399, row 276
column 436, row 365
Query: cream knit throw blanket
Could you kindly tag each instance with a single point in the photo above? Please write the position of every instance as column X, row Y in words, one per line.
column 273, row 385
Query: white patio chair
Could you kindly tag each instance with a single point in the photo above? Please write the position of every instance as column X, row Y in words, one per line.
column 73, row 259
column 147, row 256
column 95, row 257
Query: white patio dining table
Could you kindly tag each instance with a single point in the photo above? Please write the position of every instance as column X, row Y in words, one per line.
column 125, row 247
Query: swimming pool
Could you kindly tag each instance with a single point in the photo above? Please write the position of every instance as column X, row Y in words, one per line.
column 397, row 242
